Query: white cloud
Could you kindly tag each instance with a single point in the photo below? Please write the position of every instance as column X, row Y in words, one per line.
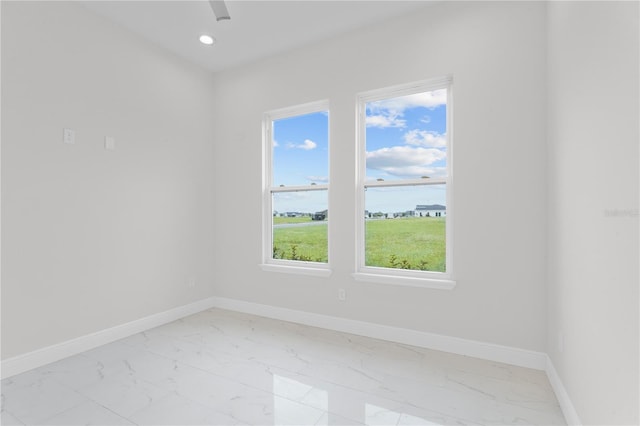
column 323, row 179
column 425, row 138
column 406, row 161
column 429, row 100
column 307, row 145
column 384, row 121
column 389, row 112
column 275, row 143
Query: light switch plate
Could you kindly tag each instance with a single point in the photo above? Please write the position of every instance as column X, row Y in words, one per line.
column 109, row 143
column 69, row 136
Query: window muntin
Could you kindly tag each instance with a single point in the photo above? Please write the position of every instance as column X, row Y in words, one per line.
column 404, row 175
column 296, row 183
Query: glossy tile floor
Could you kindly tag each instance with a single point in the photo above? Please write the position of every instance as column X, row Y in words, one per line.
column 225, row 368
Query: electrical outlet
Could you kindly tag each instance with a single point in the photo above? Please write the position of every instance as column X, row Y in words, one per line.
column 342, row 295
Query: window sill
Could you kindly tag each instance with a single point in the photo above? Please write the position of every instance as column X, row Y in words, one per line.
column 300, row 270
column 440, row 284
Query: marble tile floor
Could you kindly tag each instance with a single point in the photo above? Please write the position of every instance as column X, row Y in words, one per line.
column 226, row 368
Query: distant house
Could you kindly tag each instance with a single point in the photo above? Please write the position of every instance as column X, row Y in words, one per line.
column 428, row 210
column 408, row 213
column 320, row 215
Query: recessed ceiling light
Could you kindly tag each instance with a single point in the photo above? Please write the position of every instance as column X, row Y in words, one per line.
column 207, row 39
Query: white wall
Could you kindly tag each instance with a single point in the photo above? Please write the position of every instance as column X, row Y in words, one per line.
column 496, row 53
column 593, row 206
column 93, row 238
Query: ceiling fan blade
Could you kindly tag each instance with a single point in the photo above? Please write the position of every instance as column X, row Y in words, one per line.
column 219, row 9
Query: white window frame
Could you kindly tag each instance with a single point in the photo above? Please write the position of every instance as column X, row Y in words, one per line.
column 394, row 276
column 268, row 189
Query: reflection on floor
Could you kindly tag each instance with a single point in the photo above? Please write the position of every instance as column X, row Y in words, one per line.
column 224, row 368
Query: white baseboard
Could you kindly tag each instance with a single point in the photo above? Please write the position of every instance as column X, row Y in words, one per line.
column 488, row 351
column 49, row 354
column 569, row 411
column 483, row 350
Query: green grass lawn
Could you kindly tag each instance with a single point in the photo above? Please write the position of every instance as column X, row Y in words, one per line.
column 301, row 243
column 280, row 220
column 407, row 243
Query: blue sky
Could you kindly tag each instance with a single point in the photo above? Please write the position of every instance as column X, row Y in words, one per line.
column 301, row 157
column 301, row 150
column 405, row 139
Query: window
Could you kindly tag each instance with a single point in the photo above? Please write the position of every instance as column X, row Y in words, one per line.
column 405, row 185
column 295, row 189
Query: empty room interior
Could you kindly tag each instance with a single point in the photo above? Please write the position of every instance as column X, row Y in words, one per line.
column 322, row 212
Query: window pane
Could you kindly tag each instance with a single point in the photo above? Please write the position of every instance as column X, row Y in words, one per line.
column 405, row 227
column 300, row 150
column 406, row 137
column 300, row 226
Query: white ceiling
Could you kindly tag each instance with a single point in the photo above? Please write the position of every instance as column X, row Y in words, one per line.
column 257, row 28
